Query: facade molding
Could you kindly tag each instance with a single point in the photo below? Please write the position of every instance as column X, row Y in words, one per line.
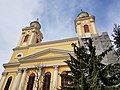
column 44, row 65
column 11, row 64
column 55, row 42
column 44, row 59
column 20, row 48
column 34, row 66
column 47, row 43
column 14, row 70
column 46, row 51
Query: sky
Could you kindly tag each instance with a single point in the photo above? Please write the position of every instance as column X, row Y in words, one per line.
column 55, row 16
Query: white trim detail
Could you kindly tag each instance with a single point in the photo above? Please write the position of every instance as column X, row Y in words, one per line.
column 31, row 38
column 87, row 34
column 7, row 80
column 2, row 79
column 15, row 70
column 19, row 54
column 45, row 65
column 79, row 29
column 23, row 79
column 16, row 81
column 55, row 81
column 93, row 26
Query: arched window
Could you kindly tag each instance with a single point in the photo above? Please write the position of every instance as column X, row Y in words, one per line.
column 26, row 38
column 31, row 82
column 64, row 81
column 8, row 83
column 86, row 28
column 46, row 84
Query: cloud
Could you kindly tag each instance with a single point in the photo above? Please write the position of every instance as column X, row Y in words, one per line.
column 14, row 15
column 112, row 17
column 57, row 18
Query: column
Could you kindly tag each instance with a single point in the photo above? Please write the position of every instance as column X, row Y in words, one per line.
column 17, row 79
column 2, row 79
column 31, row 38
column 21, row 86
column 39, row 77
column 94, row 28
column 55, row 81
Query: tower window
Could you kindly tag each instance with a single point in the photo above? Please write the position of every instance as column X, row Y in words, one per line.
column 64, row 81
column 31, row 82
column 86, row 28
column 8, row 83
column 37, row 41
column 46, row 84
column 26, row 38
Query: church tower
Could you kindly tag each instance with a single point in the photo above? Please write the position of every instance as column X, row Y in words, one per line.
column 85, row 25
column 31, row 35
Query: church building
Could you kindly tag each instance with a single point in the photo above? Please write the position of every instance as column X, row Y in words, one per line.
column 37, row 65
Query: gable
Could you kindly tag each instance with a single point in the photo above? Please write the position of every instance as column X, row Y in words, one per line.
column 47, row 53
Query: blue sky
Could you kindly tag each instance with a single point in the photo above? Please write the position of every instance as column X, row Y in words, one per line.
column 55, row 16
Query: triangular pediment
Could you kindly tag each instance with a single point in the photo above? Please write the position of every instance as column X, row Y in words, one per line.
column 47, row 53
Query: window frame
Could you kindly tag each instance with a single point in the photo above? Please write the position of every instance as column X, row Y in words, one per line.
column 64, row 81
column 26, row 38
column 30, row 82
column 6, row 86
column 86, row 28
column 47, row 80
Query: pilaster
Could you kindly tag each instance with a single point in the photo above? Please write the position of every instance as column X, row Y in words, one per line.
column 4, row 74
column 55, row 81
column 21, row 86
column 17, row 79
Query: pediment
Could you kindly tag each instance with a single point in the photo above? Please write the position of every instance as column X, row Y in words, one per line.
column 47, row 53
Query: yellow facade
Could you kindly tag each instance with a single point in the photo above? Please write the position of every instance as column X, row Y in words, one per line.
column 31, row 53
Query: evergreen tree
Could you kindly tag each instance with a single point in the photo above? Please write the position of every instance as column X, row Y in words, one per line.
column 88, row 73
column 116, row 35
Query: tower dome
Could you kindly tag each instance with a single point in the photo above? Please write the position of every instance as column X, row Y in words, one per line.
column 83, row 14
column 35, row 24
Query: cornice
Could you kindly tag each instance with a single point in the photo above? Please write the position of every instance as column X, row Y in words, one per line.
column 20, row 48
column 14, row 70
column 11, row 64
column 47, row 43
column 46, row 51
column 86, row 18
column 28, row 28
column 55, row 42
column 44, row 59
column 44, row 65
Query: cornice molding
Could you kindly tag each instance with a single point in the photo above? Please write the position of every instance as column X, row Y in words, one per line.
column 44, row 65
column 44, row 59
column 35, row 66
column 86, row 18
column 47, row 43
column 11, row 64
column 20, row 48
column 46, row 51
column 54, row 42
column 14, row 70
